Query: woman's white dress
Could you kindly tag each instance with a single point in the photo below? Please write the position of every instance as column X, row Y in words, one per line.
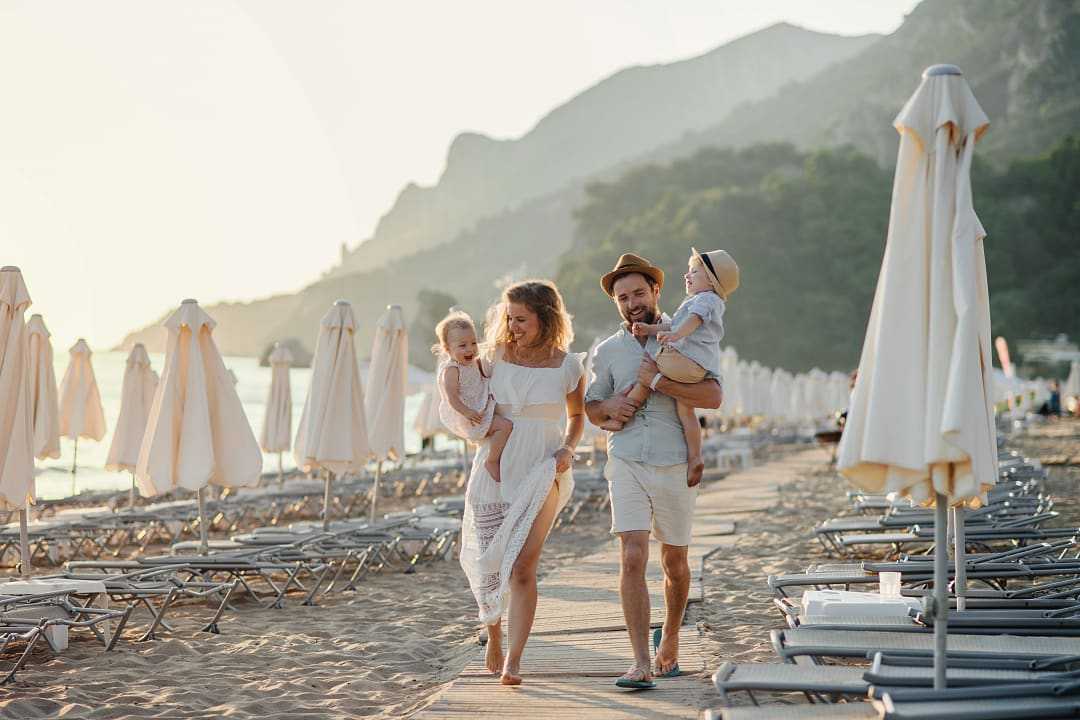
column 499, row 516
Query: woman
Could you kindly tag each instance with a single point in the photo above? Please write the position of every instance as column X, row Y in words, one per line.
column 540, row 387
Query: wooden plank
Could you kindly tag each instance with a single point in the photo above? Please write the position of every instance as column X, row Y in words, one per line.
column 598, row 654
column 567, row 698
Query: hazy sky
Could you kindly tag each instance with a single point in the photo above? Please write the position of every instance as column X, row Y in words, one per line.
column 152, row 151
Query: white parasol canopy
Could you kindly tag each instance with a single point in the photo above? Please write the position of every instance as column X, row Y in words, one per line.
column 1072, row 383
column 44, row 397
column 333, row 431
column 428, row 423
column 136, row 398
column 81, row 413
column 385, row 399
column 16, row 426
column 921, row 418
column 276, row 433
column 197, row 433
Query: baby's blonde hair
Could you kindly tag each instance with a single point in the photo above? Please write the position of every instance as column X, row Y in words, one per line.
column 454, row 320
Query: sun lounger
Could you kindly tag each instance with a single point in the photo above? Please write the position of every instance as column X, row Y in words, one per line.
column 818, row 643
column 846, row 711
column 1002, row 708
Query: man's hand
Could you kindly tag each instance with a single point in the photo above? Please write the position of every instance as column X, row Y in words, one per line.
column 619, row 407
column 647, row 371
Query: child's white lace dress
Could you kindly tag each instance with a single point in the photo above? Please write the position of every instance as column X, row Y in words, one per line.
column 475, row 392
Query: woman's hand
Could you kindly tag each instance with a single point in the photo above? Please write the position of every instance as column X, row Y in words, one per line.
column 564, row 459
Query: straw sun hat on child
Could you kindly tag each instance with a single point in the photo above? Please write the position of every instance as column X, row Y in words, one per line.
column 722, row 271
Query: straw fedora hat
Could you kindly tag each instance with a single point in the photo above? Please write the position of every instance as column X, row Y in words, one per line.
column 628, row 264
column 722, row 271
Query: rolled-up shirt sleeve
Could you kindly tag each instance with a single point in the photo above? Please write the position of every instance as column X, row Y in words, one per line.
column 601, row 382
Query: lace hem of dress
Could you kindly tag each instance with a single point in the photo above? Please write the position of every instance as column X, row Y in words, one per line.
column 490, row 588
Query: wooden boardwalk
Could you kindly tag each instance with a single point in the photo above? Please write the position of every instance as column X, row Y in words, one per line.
column 579, row 643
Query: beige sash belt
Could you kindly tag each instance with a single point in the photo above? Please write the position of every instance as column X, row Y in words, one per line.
column 540, row 411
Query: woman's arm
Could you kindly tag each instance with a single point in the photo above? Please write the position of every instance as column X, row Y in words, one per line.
column 575, row 425
column 451, row 385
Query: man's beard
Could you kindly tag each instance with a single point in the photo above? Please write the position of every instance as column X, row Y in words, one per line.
column 648, row 317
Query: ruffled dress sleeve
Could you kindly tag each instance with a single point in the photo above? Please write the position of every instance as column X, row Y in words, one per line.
column 573, row 370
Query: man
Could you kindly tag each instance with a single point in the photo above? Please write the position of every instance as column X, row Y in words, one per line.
column 646, row 467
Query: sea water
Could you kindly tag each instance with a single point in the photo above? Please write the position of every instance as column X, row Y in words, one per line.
column 54, row 476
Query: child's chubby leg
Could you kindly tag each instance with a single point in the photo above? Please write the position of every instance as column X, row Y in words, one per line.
column 639, row 393
column 695, row 466
column 498, row 435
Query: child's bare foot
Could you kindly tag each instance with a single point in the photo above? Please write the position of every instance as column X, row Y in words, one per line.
column 611, row 425
column 492, row 466
column 493, row 660
column 511, row 674
column 695, row 468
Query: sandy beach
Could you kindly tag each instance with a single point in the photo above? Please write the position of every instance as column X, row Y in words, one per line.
column 383, row 652
column 388, row 650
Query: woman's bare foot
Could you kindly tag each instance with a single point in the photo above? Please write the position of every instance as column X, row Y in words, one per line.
column 695, row 468
column 492, row 466
column 494, row 657
column 511, row 674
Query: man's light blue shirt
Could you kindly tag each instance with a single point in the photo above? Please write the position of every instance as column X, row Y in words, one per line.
column 654, row 436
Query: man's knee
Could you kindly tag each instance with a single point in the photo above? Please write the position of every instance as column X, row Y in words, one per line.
column 635, row 554
column 676, row 567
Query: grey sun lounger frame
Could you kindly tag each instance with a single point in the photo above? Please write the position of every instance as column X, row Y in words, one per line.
column 818, row 643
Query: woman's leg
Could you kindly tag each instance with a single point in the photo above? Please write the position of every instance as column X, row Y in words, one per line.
column 493, row 658
column 523, row 587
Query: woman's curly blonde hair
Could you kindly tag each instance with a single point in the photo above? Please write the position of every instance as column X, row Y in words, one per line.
column 543, row 299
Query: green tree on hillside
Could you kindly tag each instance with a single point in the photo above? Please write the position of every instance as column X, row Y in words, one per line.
column 808, row 231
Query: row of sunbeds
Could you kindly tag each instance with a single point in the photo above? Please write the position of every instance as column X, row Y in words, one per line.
column 257, row 556
column 1013, row 652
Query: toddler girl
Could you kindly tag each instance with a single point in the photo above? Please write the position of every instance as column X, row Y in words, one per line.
column 467, row 408
column 690, row 349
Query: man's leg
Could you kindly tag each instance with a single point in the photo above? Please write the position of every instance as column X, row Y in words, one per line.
column 676, row 593
column 635, row 599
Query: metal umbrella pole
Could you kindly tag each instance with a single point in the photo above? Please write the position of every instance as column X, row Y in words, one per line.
column 960, row 553
column 375, row 490
column 74, row 464
column 204, row 542
column 24, row 540
column 941, row 588
column 326, row 500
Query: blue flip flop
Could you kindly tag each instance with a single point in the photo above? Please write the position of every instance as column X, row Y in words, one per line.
column 635, row 684
column 658, row 633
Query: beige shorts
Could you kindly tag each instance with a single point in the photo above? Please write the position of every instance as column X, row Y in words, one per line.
column 651, row 497
column 675, row 366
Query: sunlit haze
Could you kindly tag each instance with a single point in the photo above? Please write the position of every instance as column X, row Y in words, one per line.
column 154, row 151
